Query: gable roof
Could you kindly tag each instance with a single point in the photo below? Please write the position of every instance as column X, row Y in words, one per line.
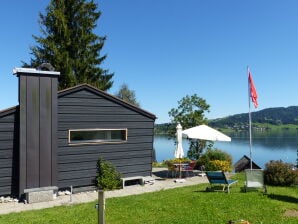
column 8, row 111
column 244, row 163
column 106, row 95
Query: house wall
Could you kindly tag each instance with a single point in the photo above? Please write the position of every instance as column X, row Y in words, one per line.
column 9, row 127
column 86, row 109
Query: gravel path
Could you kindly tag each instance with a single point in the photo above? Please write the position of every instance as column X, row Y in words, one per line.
column 161, row 182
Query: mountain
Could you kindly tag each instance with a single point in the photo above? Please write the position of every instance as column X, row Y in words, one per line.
column 275, row 116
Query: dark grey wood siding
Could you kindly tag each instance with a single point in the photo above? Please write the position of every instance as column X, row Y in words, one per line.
column 9, row 127
column 87, row 108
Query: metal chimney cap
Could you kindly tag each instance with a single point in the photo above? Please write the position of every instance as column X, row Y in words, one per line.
column 33, row 71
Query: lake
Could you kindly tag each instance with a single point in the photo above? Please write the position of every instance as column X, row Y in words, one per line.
column 279, row 145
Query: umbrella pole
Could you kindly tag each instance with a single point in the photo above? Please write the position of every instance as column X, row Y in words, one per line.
column 180, row 168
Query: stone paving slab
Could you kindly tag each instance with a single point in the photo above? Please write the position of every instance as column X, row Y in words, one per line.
column 161, row 183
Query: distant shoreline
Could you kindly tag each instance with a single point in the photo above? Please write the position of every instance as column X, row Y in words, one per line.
column 163, row 129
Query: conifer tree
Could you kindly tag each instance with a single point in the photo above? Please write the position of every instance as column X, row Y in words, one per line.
column 69, row 44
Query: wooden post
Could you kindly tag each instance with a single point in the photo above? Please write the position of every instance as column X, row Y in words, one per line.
column 70, row 198
column 101, row 206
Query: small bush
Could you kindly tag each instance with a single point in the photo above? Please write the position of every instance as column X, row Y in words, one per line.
column 216, row 159
column 223, row 165
column 177, row 160
column 278, row 173
column 108, row 178
column 159, row 164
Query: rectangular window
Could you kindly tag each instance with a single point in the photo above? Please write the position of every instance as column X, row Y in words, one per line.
column 86, row 136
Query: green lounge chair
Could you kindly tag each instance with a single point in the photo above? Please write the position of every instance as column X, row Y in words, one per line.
column 218, row 178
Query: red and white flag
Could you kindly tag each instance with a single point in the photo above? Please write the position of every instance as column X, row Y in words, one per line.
column 252, row 90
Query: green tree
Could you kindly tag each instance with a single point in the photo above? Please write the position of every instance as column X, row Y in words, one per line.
column 127, row 95
column 190, row 113
column 69, row 44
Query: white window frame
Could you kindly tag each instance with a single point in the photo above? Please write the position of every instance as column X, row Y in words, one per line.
column 94, row 141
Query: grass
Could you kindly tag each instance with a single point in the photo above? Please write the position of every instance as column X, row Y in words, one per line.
column 181, row 205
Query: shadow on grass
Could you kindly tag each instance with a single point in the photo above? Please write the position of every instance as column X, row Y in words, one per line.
column 201, row 191
column 283, row 198
column 208, row 189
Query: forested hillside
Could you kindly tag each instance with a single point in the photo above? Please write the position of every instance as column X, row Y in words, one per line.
column 274, row 116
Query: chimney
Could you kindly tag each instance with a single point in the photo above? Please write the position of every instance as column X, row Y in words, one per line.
column 38, row 128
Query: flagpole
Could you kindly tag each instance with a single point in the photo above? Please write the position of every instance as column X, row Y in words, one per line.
column 249, row 116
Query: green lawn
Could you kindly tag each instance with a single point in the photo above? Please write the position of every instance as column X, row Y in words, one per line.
column 180, row 205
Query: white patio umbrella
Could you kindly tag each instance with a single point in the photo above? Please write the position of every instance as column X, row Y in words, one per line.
column 205, row 132
column 179, row 149
column 179, row 153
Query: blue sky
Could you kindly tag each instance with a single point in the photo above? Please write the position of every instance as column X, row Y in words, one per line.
column 165, row 50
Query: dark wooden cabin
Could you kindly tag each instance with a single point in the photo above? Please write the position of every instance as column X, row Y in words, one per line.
column 9, row 139
column 55, row 139
column 84, row 108
column 244, row 163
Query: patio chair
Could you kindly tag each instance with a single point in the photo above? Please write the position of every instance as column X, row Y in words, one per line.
column 254, row 179
column 218, row 178
column 190, row 167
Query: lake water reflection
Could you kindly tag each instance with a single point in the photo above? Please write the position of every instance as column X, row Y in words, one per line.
column 267, row 146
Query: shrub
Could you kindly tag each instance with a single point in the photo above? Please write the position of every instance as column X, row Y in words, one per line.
column 216, row 159
column 223, row 165
column 159, row 164
column 177, row 160
column 278, row 173
column 108, row 178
